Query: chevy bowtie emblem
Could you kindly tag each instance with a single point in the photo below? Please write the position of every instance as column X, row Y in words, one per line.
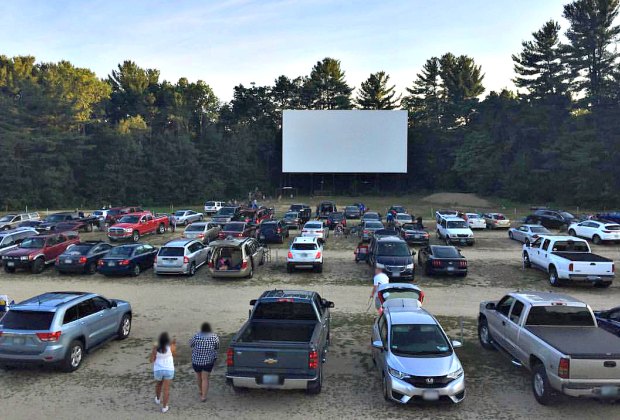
column 271, row 361
column 430, row 380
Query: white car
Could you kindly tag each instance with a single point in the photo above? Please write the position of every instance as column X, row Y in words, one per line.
column 598, row 232
column 402, row 218
column 212, row 207
column 305, row 252
column 454, row 230
column 315, row 229
column 185, row 217
column 496, row 221
column 475, row 221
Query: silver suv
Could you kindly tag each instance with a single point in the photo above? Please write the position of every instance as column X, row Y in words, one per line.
column 11, row 221
column 59, row 327
column 181, row 256
column 414, row 355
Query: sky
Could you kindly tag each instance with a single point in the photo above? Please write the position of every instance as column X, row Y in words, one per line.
column 231, row 42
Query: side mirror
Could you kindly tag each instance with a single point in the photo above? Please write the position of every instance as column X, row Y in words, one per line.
column 253, row 302
column 413, row 252
column 377, row 344
column 456, row 344
column 330, row 304
column 490, row 306
column 527, row 244
column 114, row 304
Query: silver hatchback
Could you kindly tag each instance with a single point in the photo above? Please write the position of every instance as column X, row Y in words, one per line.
column 181, row 256
column 414, row 355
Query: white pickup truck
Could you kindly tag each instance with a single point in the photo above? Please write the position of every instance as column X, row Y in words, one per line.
column 454, row 230
column 566, row 258
column 558, row 340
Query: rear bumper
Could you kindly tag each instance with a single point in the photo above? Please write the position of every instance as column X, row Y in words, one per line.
column 229, row 273
column 162, row 269
column 73, row 268
column 456, row 271
column 114, row 271
column 403, row 392
column 602, row 389
column 51, row 354
column 416, row 241
column 254, row 382
column 590, row 279
column 302, row 264
column 462, row 241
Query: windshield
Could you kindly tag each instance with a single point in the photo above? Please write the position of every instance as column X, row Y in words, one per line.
column 539, row 229
column 419, row 340
column 27, row 320
column 233, row 227
column 567, row 215
column 7, row 218
column 291, row 215
column 33, row 243
column 399, row 209
column 446, row 252
column 560, row 316
column 78, row 250
column 570, row 246
column 226, row 211
column 195, row 227
column 169, row 251
column 55, row 218
column 121, row 252
column 337, row 216
column 179, row 213
column 313, row 226
column 457, row 225
column 393, row 249
column 296, row 207
column 351, row 208
column 374, row 225
column 130, row 219
column 371, row 216
column 304, row 247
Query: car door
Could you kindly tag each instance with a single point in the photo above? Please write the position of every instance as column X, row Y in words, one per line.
column 91, row 322
column 498, row 320
column 107, row 322
column 379, row 333
column 512, row 328
column 545, row 252
column 521, row 233
column 534, row 251
column 202, row 253
column 147, row 255
column 52, row 248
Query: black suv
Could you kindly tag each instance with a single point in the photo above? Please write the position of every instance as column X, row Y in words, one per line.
column 392, row 255
column 551, row 219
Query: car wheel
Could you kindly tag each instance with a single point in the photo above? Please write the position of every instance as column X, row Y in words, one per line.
column 135, row 272
column 316, row 386
column 602, row 284
column 135, row 236
column 540, row 385
column 192, row 270
column 510, row 235
column 484, row 335
column 91, row 268
column 596, row 240
column 73, row 357
column 571, row 232
column 527, row 241
column 526, row 260
column 319, row 268
column 38, row 265
column 553, row 277
column 124, row 327
column 161, row 229
column 9, row 269
column 386, row 391
column 251, row 274
column 201, row 218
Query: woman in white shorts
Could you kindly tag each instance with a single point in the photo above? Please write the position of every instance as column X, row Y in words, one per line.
column 162, row 357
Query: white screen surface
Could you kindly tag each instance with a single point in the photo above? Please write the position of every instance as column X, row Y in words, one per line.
column 356, row 141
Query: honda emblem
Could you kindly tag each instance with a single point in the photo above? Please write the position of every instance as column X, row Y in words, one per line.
column 430, row 381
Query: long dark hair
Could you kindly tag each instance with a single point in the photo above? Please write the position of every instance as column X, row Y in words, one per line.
column 164, row 342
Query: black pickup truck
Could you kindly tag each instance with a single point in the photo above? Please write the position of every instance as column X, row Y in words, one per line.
column 78, row 219
column 283, row 344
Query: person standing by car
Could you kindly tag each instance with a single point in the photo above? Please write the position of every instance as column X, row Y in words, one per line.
column 205, row 345
column 390, row 220
column 379, row 279
column 162, row 357
column 173, row 222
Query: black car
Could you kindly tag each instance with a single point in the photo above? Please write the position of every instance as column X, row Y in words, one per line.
column 392, row 255
column 82, row 257
column 413, row 235
column 292, row 220
column 304, row 211
column 609, row 320
column 352, row 212
column 442, row 259
column 334, row 219
column 272, row 231
column 384, row 233
column 371, row 215
column 551, row 219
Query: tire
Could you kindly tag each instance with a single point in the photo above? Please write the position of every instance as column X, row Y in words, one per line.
column 572, row 232
column 484, row 335
column 251, row 274
column 201, row 218
column 315, row 387
column 124, row 328
column 602, row 284
column 192, row 270
column 385, row 390
column 9, row 269
column 553, row 277
column 38, row 265
column 540, row 385
column 289, row 268
column 161, row 229
column 136, row 270
column 73, row 357
column 596, row 240
column 526, row 260
column 89, row 227
column 318, row 268
column 91, row 268
column 510, row 235
column 135, row 236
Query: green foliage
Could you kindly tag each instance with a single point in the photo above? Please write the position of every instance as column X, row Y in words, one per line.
column 376, row 94
column 326, row 87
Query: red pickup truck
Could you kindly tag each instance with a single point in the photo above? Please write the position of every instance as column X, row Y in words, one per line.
column 36, row 252
column 133, row 226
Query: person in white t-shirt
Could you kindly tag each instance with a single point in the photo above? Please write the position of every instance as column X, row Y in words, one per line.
column 379, row 279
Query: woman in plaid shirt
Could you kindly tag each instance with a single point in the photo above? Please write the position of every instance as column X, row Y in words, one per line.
column 205, row 345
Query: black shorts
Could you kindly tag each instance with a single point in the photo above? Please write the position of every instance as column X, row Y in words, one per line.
column 203, row 368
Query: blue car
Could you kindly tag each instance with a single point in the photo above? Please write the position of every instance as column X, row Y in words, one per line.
column 609, row 320
column 130, row 259
column 612, row 216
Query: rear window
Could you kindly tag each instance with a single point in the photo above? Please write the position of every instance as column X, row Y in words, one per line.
column 285, row 310
column 226, row 211
column 78, row 250
column 291, row 215
column 233, row 227
column 563, row 316
column 612, row 227
column 403, row 217
column 195, row 228
column 26, row 320
column 446, row 252
column 351, row 208
column 499, row 217
column 169, row 251
column 539, row 229
column 374, row 225
column 304, row 247
column 570, row 246
column 314, row 225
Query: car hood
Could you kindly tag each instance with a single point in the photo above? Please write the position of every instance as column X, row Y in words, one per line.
column 124, row 225
column 18, row 252
column 425, row 366
column 460, row 231
column 46, row 225
column 394, row 260
column 414, row 231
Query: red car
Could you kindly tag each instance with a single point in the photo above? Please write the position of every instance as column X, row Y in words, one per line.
column 115, row 213
column 256, row 216
column 238, row 230
column 135, row 225
column 38, row 251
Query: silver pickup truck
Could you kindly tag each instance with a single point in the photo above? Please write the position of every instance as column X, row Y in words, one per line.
column 557, row 338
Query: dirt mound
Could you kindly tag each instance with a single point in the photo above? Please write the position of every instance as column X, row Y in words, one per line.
column 457, row 199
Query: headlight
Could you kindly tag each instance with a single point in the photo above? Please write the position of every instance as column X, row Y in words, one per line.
column 471, row 235
column 452, row 235
column 456, row 374
column 128, row 230
column 381, row 266
column 24, row 258
column 397, row 374
column 5, row 258
column 409, row 266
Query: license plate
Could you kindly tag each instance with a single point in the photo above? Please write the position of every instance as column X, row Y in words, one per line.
column 19, row 341
column 303, row 255
column 593, row 278
column 262, row 237
column 396, row 274
column 610, row 391
column 430, row 395
column 10, row 264
column 450, row 268
column 463, row 241
column 111, row 264
column 68, row 261
column 271, row 379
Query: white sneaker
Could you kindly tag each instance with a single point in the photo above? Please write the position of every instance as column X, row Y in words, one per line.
column 165, row 409
column 157, row 401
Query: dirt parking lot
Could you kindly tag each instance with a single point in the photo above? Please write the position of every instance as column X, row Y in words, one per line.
column 115, row 381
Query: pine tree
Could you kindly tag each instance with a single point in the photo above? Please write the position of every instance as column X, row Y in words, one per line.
column 462, row 84
column 539, row 65
column 326, row 87
column 424, row 100
column 375, row 93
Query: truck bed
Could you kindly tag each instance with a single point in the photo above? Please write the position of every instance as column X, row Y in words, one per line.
column 580, row 342
column 278, row 331
column 581, row 256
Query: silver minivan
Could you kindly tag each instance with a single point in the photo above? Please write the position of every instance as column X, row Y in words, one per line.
column 414, row 356
column 181, row 256
column 10, row 221
column 204, row 232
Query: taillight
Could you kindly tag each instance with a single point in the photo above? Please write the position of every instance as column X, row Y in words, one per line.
column 210, row 264
column 437, row 263
column 57, row 260
column 290, row 255
column 100, row 263
column 185, row 260
column 570, row 267
column 463, row 264
column 124, row 262
column 230, row 360
column 366, row 232
column 318, row 255
column 313, row 359
column 201, row 235
column 83, row 260
column 421, row 297
column 49, row 336
column 564, row 368
column 244, row 265
column 278, row 230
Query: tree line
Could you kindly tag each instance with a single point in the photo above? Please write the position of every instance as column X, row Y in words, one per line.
column 70, row 139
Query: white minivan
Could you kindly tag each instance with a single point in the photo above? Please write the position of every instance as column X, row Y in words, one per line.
column 212, row 207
